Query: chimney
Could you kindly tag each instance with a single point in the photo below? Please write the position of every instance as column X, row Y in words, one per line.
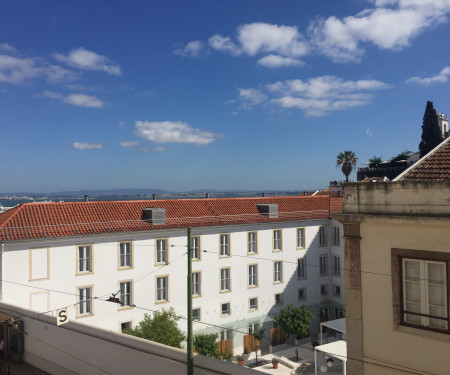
column 207, row 195
column 263, row 194
column 156, row 216
column 154, row 197
column 86, row 198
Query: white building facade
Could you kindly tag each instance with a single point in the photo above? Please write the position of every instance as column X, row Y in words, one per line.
column 248, row 262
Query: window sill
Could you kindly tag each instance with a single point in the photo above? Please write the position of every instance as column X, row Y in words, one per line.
column 422, row 332
column 124, row 268
column 123, row 308
column 225, row 291
column 84, row 273
column 161, row 302
column 84, row 316
column 252, row 286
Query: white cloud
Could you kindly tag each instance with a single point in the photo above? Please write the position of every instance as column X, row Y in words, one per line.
column 159, row 149
column 86, row 146
column 129, row 143
column 386, row 27
column 369, row 133
column 316, row 96
column 261, row 37
column 81, row 100
column 192, row 49
column 7, row 47
column 168, row 131
column 438, row 78
column 122, row 124
column 222, row 43
column 274, row 61
column 81, row 58
column 251, row 97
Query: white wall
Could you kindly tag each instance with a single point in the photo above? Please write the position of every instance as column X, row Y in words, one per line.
column 106, row 276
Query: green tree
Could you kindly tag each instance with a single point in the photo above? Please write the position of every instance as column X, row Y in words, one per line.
column 402, row 156
column 375, row 161
column 347, row 160
column 258, row 335
column 207, row 345
column 162, row 328
column 431, row 133
column 295, row 321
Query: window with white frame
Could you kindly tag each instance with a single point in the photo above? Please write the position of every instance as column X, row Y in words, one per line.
column 253, row 303
column 301, row 268
column 84, row 258
column 278, row 299
column 336, row 265
column 302, row 294
column 196, row 253
column 301, row 238
column 253, row 275
column 323, row 236
column 85, row 300
column 337, row 290
column 252, row 243
column 225, row 282
column 323, row 259
column 196, row 314
column 196, row 284
column 126, row 297
column 161, row 250
column 162, row 289
column 125, row 257
column 324, row 290
column 336, row 236
column 338, row 313
column 225, row 308
column 278, row 272
column 425, row 301
column 225, row 245
column 277, row 240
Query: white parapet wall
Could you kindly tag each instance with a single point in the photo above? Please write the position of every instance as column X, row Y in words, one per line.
column 75, row 348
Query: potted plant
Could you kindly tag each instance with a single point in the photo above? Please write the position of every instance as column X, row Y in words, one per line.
column 275, row 362
column 240, row 360
column 227, row 356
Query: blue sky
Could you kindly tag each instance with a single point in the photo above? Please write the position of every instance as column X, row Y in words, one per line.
column 184, row 95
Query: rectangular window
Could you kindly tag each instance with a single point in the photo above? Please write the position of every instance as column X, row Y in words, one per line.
column 85, row 301
column 252, row 243
column 196, row 284
column 324, row 290
column 196, row 314
column 300, row 238
column 224, row 245
column 336, row 265
column 277, row 240
column 225, row 282
column 196, row 253
column 253, row 275
column 125, row 325
column 323, row 265
column 162, row 289
column 425, row 293
column 225, row 308
column 161, row 251
column 323, row 236
column 301, row 268
column 302, row 294
column 336, row 290
column 336, row 236
column 125, row 257
column 84, row 259
column 253, row 303
column 278, row 298
column 126, row 296
column 338, row 313
column 278, row 272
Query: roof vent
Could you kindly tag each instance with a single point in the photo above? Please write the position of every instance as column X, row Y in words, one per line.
column 157, row 216
column 268, row 209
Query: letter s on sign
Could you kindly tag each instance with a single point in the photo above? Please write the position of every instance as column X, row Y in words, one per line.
column 61, row 317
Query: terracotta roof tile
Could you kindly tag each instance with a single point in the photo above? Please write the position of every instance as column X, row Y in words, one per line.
column 47, row 220
column 434, row 166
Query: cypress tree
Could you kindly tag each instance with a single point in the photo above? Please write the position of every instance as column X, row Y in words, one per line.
column 431, row 133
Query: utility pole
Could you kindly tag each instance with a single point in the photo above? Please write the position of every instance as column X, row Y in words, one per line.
column 190, row 339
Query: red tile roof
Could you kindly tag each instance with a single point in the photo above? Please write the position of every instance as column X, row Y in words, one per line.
column 48, row 220
column 433, row 166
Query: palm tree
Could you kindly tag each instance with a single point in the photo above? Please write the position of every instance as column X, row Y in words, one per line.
column 348, row 160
